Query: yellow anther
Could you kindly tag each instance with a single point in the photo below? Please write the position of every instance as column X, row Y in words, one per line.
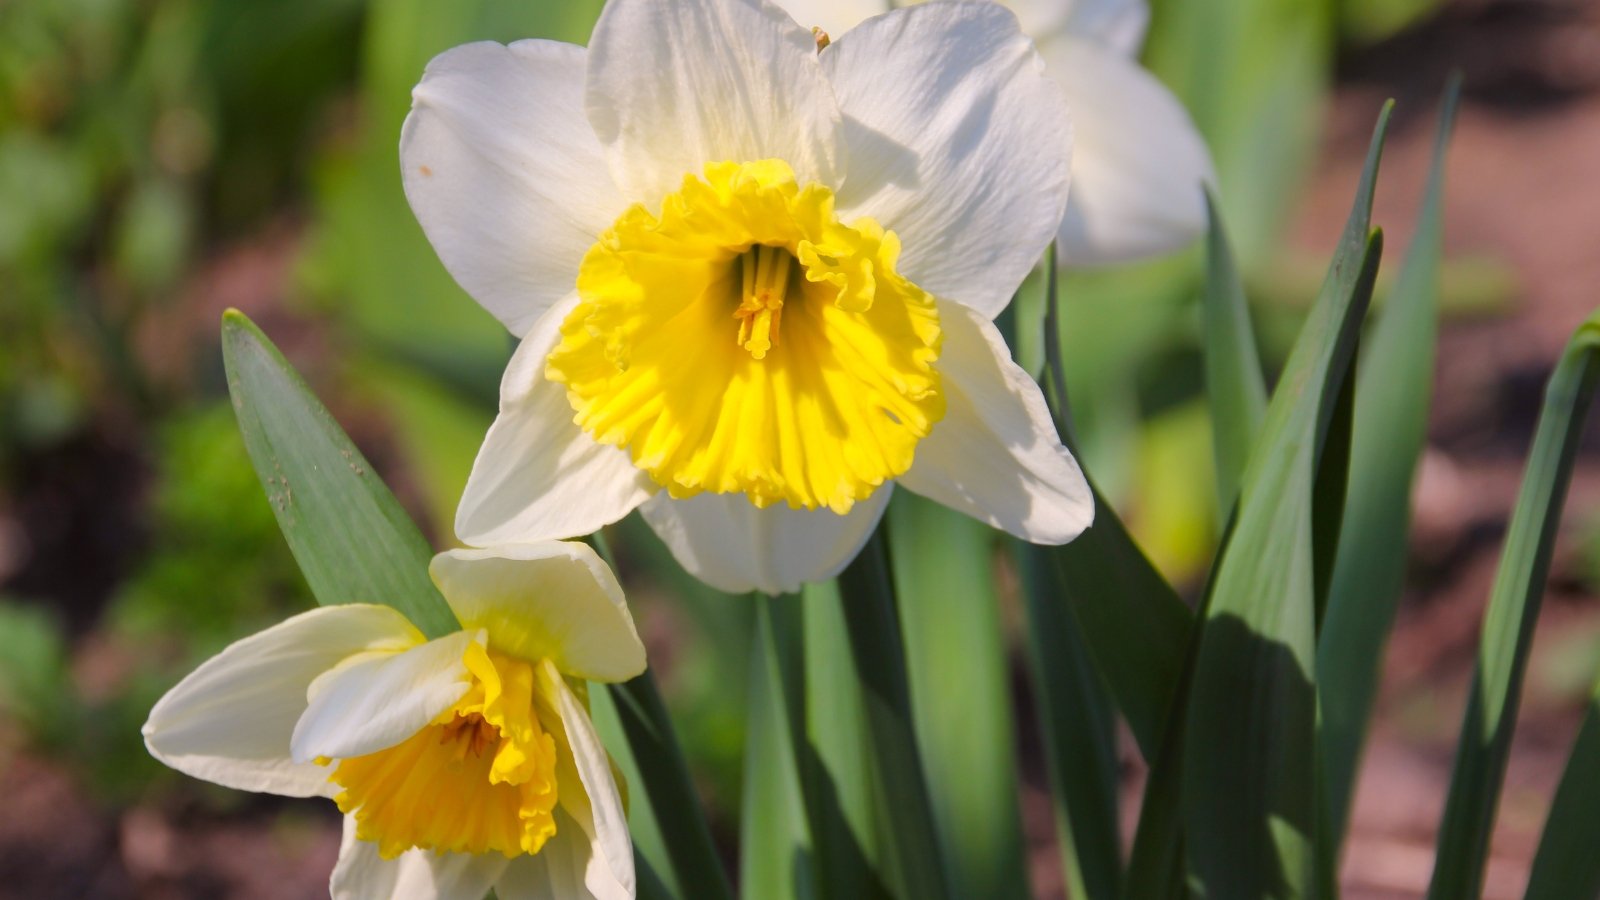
column 764, row 273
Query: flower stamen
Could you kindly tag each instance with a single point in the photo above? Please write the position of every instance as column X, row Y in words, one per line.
column 764, row 272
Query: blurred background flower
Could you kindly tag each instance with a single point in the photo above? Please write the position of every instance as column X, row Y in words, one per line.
column 162, row 160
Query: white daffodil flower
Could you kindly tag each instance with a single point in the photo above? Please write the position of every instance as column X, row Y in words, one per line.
column 753, row 276
column 462, row 763
column 1138, row 162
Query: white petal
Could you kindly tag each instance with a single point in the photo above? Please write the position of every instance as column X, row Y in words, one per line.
column 730, row 544
column 230, row 721
column 834, row 16
column 559, row 871
column 380, row 699
column 995, row 455
column 505, row 174
column 556, row 871
column 599, row 844
column 673, row 86
column 1115, row 24
column 538, row 475
column 1139, row 164
column 361, row 874
column 552, row 600
column 955, row 140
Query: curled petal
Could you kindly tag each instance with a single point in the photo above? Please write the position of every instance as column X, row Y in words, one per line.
column 996, row 456
column 956, row 141
column 505, row 174
column 730, row 544
column 673, row 86
column 230, row 721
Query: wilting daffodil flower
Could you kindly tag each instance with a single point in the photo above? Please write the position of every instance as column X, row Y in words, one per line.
column 753, row 272
column 463, row 763
column 1137, row 160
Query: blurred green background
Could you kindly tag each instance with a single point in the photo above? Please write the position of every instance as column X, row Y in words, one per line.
column 161, row 160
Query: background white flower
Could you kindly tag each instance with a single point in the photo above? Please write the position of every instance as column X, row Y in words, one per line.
column 462, row 763
column 1138, row 161
column 935, row 123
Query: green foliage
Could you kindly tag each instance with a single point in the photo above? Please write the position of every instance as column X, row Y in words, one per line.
column 1393, row 388
column 353, row 542
column 35, row 693
column 776, row 856
column 1252, row 73
column 1075, row 711
column 1566, row 866
column 217, row 569
column 1235, row 386
column 960, row 692
column 1514, row 603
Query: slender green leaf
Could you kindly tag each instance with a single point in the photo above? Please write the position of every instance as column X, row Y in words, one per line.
column 960, row 692
column 651, row 886
column 351, row 538
column 835, row 767
column 1249, row 761
column 664, row 776
column 1123, row 616
column 665, row 818
column 774, row 838
column 643, row 823
column 1079, row 725
column 1156, row 864
column 1235, row 387
column 1566, row 866
column 907, row 848
column 1388, row 435
column 1133, row 623
column 1329, row 484
column 1508, row 624
column 652, row 758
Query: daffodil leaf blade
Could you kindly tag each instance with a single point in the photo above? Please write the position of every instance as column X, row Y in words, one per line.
column 644, row 827
column 666, row 819
column 960, row 692
column 775, row 845
column 663, row 773
column 835, row 765
column 1078, row 721
column 1566, row 866
column 1389, row 431
column 1249, row 769
column 1134, row 625
column 880, row 771
column 351, row 538
column 1507, row 635
column 1236, row 390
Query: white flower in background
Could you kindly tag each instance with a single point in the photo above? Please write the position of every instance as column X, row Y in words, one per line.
column 1137, row 160
column 463, row 763
column 753, row 280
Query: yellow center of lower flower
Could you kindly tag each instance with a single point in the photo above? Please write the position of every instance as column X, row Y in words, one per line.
column 746, row 341
column 481, row 777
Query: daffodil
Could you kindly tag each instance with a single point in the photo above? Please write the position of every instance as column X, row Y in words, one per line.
column 753, row 270
column 461, row 763
column 1138, row 162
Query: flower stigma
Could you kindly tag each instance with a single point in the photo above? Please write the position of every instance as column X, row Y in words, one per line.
column 479, row 778
column 830, row 380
